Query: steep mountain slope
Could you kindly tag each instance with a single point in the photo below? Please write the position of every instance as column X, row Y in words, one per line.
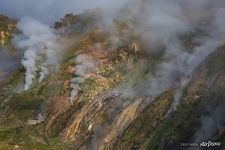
column 203, row 98
column 110, row 93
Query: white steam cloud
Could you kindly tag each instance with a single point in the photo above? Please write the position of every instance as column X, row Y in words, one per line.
column 164, row 25
column 41, row 49
column 84, row 65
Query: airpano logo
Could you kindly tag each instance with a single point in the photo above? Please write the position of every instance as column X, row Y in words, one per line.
column 202, row 144
column 210, row 144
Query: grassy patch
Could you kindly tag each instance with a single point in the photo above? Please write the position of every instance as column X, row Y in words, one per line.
column 141, row 129
column 176, row 129
column 26, row 139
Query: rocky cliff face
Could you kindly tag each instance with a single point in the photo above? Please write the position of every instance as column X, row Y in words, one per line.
column 89, row 103
column 7, row 27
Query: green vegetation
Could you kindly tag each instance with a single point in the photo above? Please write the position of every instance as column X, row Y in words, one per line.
column 141, row 129
column 152, row 129
column 176, row 129
column 27, row 138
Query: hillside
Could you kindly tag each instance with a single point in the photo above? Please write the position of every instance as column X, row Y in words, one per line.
column 7, row 27
column 87, row 87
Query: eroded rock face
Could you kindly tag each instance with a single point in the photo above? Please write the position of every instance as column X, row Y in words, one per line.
column 117, row 121
column 199, row 117
column 103, row 117
column 7, row 27
column 132, row 124
column 121, row 122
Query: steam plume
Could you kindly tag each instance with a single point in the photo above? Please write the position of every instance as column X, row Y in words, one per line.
column 163, row 26
column 84, row 65
column 39, row 43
